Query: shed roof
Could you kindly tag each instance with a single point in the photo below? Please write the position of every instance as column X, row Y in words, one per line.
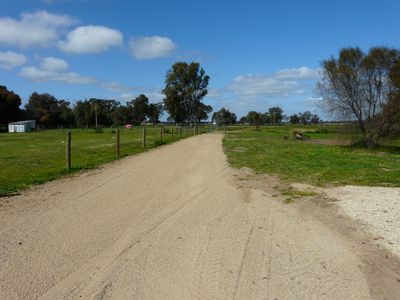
column 21, row 122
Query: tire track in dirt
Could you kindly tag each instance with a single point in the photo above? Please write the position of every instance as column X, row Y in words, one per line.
column 170, row 224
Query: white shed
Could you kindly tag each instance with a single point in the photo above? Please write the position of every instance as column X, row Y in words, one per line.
column 22, row 126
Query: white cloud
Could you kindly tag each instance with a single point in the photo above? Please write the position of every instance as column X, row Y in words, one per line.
column 39, row 75
column 56, row 70
column 10, row 60
column 91, row 39
column 282, row 84
column 127, row 96
column 39, row 28
column 44, row 18
column 115, row 87
column 54, row 64
column 151, row 47
column 298, row 73
column 262, row 85
column 53, row 69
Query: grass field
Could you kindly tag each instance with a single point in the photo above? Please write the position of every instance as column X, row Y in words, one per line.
column 34, row 158
column 323, row 160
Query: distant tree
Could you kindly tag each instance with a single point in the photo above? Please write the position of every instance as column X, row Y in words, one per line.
column 103, row 110
column 314, row 119
column 294, row 119
column 305, row 117
column 243, row 120
column 185, row 88
column 9, row 106
column 83, row 113
column 139, row 108
column 359, row 86
column 391, row 109
column 202, row 112
column 43, row 108
column 66, row 115
column 121, row 115
column 254, row 118
column 276, row 114
column 265, row 118
column 224, row 117
column 154, row 112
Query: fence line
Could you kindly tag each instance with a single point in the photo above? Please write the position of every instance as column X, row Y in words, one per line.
column 172, row 130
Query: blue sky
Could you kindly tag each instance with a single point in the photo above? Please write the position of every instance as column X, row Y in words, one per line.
column 257, row 53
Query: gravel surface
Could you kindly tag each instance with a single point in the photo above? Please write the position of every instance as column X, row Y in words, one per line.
column 376, row 207
column 173, row 223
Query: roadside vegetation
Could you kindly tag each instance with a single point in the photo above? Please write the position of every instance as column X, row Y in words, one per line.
column 326, row 157
column 33, row 158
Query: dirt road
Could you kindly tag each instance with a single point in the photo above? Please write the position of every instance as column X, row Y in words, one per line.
column 173, row 223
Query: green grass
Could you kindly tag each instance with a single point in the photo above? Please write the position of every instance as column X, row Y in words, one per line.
column 33, row 158
column 265, row 151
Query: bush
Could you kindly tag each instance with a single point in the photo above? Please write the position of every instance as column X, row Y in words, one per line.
column 159, row 142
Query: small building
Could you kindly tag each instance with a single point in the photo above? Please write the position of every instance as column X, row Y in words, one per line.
column 22, row 126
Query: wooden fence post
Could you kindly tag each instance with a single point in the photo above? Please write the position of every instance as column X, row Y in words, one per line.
column 172, row 133
column 180, row 132
column 161, row 133
column 68, row 151
column 117, row 144
column 144, row 137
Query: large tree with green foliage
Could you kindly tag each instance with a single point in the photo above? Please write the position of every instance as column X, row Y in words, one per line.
column 294, row 119
column 185, row 87
column 275, row 114
column 9, row 106
column 44, row 108
column 224, row 117
column 254, row 118
column 139, row 108
column 154, row 112
column 359, row 86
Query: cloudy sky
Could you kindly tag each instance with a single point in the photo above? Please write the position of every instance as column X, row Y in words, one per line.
column 257, row 53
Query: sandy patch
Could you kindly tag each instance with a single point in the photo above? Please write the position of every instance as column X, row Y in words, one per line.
column 378, row 208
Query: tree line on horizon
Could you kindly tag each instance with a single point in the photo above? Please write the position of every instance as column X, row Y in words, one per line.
column 356, row 86
column 48, row 110
column 185, row 88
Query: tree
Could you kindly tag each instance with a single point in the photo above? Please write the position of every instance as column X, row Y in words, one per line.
column 243, row 120
column 154, row 112
column 95, row 111
column 265, row 118
column 139, row 108
column 305, row 117
column 66, row 115
column 121, row 115
column 294, row 119
column 202, row 112
column 9, row 106
column 224, row 117
column 185, row 88
column 254, row 118
column 276, row 114
column 359, row 86
column 82, row 111
column 102, row 110
column 43, row 108
column 314, row 119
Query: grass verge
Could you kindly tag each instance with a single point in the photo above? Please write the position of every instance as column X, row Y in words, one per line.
column 319, row 164
column 32, row 158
